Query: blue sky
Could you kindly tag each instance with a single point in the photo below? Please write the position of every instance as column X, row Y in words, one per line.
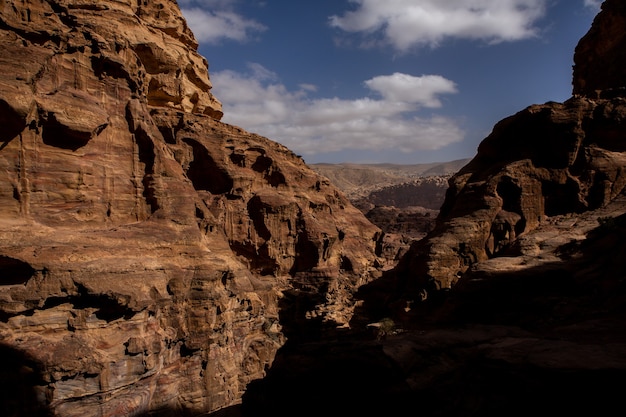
column 385, row 81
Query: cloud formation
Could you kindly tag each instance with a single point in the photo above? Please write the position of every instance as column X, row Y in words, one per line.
column 409, row 23
column 258, row 102
column 213, row 21
column 409, row 89
column 595, row 4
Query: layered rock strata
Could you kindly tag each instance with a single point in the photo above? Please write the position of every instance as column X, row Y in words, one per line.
column 148, row 252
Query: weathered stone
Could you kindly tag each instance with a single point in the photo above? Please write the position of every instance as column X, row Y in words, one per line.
column 547, row 160
column 145, row 246
column 600, row 56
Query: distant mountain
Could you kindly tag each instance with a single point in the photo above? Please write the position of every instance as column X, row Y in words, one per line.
column 359, row 180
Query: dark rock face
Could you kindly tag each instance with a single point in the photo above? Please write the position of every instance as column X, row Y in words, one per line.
column 547, row 160
column 599, row 59
column 147, row 250
column 516, row 302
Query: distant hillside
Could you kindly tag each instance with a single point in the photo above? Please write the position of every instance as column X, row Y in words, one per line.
column 360, row 180
column 403, row 200
column 427, row 192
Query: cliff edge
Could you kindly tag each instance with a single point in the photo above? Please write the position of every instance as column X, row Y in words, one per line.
column 152, row 259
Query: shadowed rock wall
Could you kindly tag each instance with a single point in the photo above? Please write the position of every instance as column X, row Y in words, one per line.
column 599, row 57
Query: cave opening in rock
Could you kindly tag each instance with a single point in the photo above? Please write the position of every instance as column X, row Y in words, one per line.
column 204, row 173
column 14, row 272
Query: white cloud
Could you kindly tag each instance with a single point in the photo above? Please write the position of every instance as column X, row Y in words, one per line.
column 595, row 4
column 262, row 105
column 215, row 20
column 413, row 23
column 409, row 89
column 308, row 87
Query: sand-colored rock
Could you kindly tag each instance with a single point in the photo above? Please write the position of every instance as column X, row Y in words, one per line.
column 144, row 245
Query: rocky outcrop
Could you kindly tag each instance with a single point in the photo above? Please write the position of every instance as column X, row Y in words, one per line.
column 547, row 160
column 381, row 183
column 400, row 227
column 600, row 56
column 402, row 200
column 152, row 258
column 541, row 330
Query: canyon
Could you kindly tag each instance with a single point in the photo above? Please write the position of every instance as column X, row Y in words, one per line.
column 155, row 261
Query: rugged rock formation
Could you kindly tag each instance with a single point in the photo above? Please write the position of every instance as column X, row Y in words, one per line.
column 144, row 245
column 405, row 212
column 358, row 181
column 428, row 192
column 402, row 200
column 547, row 160
column 542, row 330
column 516, row 303
column 400, row 226
column 599, row 58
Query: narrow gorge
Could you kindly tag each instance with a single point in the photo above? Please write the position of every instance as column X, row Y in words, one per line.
column 155, row 261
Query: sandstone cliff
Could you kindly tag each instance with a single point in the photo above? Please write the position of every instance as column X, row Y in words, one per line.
column 548, row 160
column 151, row 257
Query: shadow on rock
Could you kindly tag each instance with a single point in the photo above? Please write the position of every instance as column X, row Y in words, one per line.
column 550, row 338
column 324, row 370
column 22, row 389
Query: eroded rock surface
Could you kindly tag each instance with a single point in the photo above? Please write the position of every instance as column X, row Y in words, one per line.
column 516, row 303
column 599, row 58
column 547, row 160
column 149, row 252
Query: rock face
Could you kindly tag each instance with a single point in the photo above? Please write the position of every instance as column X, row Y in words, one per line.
column 376, row 182
column 151, row 256
column 600, row 56
column 402, row 200
column 516, row 302
column 547, row 160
